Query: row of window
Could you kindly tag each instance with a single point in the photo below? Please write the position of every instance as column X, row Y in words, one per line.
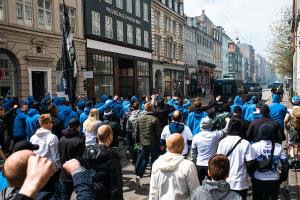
column 109, row 32
column 174, row 5
column 169, row 25
column 170, row 49
column 198, row 38
column 24, row 14
column 130, row 5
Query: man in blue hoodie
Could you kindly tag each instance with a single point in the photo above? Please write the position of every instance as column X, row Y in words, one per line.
column 237, row 102
column 32, row 120
column 277, row 110
column 19, row 131
column 85, row 114
column 66, row 114
column 246, row 105
column 251, row 108
column 104, row 98
column 176, row 126
column 195, row 117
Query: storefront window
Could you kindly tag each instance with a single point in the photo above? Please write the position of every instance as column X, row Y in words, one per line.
column 103, row 75
column 45, row 14
column 143, row 73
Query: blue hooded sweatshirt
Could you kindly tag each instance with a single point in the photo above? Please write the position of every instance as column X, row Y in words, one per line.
column 187, row 104
column 66, row 115
column 118, row 109
column 7, row 103
column 244, row 108
column 237, row 102
column 20, row 125
column 277, row 110
column 32, row 122
column 104, row 98
column 84, row 115
column 254, row 116
column 126, row 106
column 194, row 120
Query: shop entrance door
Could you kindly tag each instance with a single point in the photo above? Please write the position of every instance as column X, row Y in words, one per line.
column 126, row 77
column 39, row 84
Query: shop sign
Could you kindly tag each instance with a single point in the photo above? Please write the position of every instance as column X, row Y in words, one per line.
column 88, row 74
column 122, row 15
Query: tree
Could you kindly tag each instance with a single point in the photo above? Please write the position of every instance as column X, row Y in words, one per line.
column 280, row 47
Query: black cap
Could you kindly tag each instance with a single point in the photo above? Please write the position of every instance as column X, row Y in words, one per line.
column 25, row 145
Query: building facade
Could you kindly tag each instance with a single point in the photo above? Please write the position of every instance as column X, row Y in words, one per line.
column 200, row 65
column 249, row 52
column 225, row 61
column 295, row 43
column 235, row 60
column 119, row 43
column 168, row 47
column 30, row 46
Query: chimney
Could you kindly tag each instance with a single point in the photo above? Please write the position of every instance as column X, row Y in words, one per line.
column 203, row 12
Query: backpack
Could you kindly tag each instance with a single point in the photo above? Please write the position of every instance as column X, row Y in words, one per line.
column 296, row 118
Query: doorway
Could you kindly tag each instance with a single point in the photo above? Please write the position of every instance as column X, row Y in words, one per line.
column 126, row 77
column 39, row 86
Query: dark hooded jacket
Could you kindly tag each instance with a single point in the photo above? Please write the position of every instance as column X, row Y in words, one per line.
column 20, row 125
column 58, row 126
column 162, row 111
column 215, row 190
column 71, row 145
column 111, row 120
column 108, row 178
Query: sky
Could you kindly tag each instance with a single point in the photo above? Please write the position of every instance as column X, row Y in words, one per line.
column 250, row 20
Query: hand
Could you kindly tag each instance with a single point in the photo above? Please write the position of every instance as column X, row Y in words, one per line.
column 152, row 96
column 71, row 165
column 39, row 170
column 15, row 106
column 227, row 119
column 218, row 98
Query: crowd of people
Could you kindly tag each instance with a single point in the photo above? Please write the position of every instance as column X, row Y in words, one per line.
column 52, row 149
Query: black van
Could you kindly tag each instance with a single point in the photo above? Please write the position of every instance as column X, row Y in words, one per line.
column 227, row 88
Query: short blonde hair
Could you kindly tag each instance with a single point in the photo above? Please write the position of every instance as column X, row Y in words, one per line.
column 45, row 119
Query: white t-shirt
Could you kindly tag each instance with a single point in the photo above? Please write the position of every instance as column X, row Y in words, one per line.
column 206, row 144
column 186, row 134
column 263, row 151
column 238, row 176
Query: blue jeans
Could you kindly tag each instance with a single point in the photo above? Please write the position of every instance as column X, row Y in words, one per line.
column 147, row 151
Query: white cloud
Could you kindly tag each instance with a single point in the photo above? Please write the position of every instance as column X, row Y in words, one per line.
column 250, row 20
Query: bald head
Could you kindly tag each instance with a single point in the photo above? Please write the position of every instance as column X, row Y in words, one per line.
column 104, row 134
column 177, row 116
column 15, row 167
column 175, row 143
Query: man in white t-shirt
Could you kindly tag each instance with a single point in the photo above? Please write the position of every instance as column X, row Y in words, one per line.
column 266, row 180
column 177, row 127
column 241, row 156
column 205, row 145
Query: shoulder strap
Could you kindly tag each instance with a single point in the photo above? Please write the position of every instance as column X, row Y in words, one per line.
column 228, row 154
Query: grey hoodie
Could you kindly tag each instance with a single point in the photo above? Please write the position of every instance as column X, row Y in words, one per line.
column 173, row 177
column 215, row 190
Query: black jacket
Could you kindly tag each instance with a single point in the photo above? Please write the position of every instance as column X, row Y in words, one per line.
column 71, row 145
column 58, row 126
column 108, row 178
column 252, row 131
column 115, row 126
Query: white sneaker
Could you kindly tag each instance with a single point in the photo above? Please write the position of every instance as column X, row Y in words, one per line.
column 138, row 181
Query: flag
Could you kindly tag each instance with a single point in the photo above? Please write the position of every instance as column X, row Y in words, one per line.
column 68, row 58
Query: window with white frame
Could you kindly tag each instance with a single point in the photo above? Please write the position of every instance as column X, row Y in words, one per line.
column 129, row 34
column 157, row 46
column 108, row 1
column 24, row 12
column 167, row 24
column 156, row 18
column 1, row 9
column 174, row 51
column 146, row 39
column 96, row 23
column 108, row 27
column 180, row 32
column 174, row 27
column 138, row 8
column 119, row 4
column 176, row 6
column 129, row 6
column 45, row 14
column 181, row 9
column 146, row 12
column 72, row 17
column 138, row 37
column 163, row 1
column 170, row 3
column 120, row 31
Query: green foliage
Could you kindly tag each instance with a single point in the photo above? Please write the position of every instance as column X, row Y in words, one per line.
column 280, row 47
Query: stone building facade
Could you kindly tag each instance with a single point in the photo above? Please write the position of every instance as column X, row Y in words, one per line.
column 30, row 46
column 168, row 47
